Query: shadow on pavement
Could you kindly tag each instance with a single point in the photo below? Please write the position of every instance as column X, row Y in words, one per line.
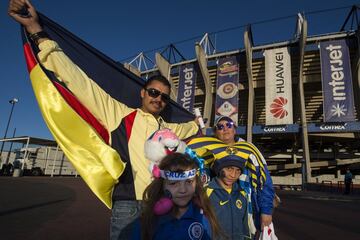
column 50, row 208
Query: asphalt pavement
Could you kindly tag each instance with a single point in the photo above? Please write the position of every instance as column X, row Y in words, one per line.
column 50, row 208
column 65, row 208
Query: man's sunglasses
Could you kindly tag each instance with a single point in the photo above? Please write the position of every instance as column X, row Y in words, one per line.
column 154, row 93
column 220, row 126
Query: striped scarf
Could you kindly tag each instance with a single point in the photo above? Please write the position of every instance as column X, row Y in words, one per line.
column 212, row 149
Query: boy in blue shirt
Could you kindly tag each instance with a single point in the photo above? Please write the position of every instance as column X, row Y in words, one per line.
column 228, row 198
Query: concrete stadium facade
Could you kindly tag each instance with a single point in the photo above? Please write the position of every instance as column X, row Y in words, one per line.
column 320, row 150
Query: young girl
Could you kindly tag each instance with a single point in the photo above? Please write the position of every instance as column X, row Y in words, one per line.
column 190, row 216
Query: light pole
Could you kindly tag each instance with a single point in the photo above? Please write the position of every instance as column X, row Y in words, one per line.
column 12, row 102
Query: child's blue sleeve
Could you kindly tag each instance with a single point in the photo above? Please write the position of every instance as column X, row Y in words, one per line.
column 207, row 228
column 266, row 195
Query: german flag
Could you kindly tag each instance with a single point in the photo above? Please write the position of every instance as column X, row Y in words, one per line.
column 80, row 135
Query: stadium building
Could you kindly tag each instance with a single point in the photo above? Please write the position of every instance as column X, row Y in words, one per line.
column 297, row 100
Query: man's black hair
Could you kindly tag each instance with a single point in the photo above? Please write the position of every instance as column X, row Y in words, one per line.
column 158, row 78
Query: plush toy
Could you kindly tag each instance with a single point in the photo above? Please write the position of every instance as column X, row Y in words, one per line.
column 160, row 144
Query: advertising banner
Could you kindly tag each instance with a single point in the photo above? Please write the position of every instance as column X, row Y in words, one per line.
column 227, row 99
column 186, row 89
column 282, row 129
column 278, row 88
column 336, row 82
column 334, row 127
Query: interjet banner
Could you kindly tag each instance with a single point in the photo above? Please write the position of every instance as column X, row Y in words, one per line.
column 278, row 89
column 336, row 82
column 186, row 92
column 227, row 99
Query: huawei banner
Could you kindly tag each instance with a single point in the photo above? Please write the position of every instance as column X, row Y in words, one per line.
column 186, row 92
column 336, row 82
column 227, row 99
column 278, row 89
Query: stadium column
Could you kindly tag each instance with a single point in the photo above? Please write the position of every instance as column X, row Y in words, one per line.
column 132, row 69
column 164, row 67
column 248, row 48
column 202, row 60
column 357, row 74
column 305, row 140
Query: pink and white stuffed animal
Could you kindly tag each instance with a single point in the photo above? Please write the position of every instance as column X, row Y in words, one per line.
column 161, row 143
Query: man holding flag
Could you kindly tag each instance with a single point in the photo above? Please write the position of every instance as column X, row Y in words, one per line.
column 102, row 137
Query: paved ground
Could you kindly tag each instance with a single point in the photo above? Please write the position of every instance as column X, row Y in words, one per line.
column 317, row 215
column 50, row 208
column 64, row 208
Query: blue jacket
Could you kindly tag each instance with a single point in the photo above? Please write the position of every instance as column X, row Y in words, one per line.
column 348, row 177
column 193, row 225
column 263, row 195
column 230, row 209
column 262, row 199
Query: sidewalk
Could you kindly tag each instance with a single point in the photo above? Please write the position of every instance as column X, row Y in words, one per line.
column 320, row 195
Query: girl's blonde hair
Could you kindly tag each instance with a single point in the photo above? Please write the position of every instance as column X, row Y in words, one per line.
column 174, row 162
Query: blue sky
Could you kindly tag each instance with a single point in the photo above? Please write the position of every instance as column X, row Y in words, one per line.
column 122, row 29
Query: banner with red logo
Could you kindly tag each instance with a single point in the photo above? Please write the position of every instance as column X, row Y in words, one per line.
column 278, row 89
column 227, row 99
